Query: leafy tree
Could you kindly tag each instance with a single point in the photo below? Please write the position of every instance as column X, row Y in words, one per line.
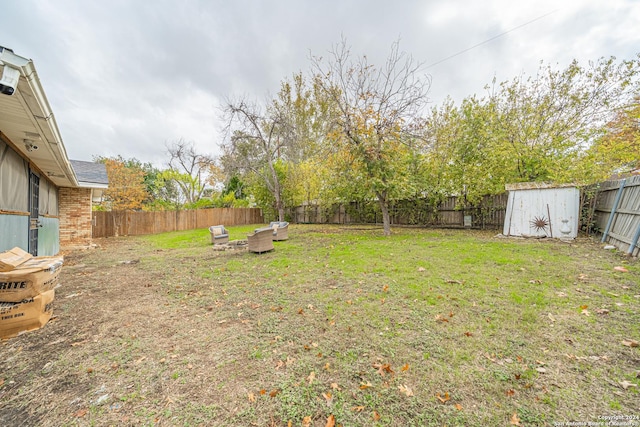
column 545, row 124
column 379, row 117
column 126, row 189
column 618, row 150
column 538, row 128
column 234, row 186
column 265, row 143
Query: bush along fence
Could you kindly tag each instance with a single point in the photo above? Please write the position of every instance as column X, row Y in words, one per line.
column 487, row 214
column 132, row 223
column 615, row 212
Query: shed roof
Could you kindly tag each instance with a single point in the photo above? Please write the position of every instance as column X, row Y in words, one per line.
column 535, row 186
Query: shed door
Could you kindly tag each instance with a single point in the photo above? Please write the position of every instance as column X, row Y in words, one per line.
column 34, row 195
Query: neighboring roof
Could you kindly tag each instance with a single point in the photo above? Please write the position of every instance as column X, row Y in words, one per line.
column 535, row 186
column 90, row 174
column 28, row 124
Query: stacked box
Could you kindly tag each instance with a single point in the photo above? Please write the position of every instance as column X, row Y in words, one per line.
column 30, row 279
column 26, row 291
column 13, row 258
column 28, row 315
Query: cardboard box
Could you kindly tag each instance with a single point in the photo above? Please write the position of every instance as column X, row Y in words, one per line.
column 31, row 278
column 28, row 315
column 12, row 258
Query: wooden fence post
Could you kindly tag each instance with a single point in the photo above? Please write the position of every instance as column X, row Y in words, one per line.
column 613, row 210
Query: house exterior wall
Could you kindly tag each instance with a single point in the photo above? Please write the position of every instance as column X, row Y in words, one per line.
column 14, row 231
column 15, row 209
column 75, row 217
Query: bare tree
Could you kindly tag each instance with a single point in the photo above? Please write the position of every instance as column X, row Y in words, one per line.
column 191, row 171
column 256, row 136
column 379, row 114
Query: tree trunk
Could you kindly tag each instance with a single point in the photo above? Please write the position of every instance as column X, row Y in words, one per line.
column 384, row 208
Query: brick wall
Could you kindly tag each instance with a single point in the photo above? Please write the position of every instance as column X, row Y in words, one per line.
column 75, row 216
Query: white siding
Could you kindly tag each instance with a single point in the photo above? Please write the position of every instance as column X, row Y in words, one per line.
column 550, row 204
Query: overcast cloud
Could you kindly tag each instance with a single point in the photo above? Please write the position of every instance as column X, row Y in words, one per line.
column 126, row 77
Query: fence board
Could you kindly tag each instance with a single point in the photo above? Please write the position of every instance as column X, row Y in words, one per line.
column 134, row 223
column 626, row 216
column 487, row 214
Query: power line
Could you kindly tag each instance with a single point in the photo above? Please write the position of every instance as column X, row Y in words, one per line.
column 491, row 39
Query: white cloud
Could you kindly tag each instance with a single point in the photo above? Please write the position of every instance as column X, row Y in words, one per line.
column 126, row 77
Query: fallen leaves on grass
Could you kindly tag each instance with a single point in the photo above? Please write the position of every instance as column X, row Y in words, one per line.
column 515, row 421
column 621, row 269
column 602, row 311
column 331, row 421
column 80, row 413
column 626, row 384
column 405, row 367
column 376, row 416
column 383, row 368
column 444, row 398
column 405, row 390
column 458, row 406
column 510, row 392
column 274, row 393
column 306, row 421
column 490, row 357
column 311, row 377
column 364, row 386
column 385, row 288
column 328, row 397
column 441, row 318
column 630, row 343
column 468, row 334
column 357, row 408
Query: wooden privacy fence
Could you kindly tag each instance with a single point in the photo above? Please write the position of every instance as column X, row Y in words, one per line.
column 133, row 223
column 617, row 213
column 487, row 214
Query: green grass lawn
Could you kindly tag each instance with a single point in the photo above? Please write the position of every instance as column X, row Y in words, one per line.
column 425, row 327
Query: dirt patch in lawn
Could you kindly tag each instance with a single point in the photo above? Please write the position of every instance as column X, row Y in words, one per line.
column 334, row 322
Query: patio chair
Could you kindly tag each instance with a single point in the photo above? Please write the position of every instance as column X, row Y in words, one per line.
column 219, row 234
column 280, row 230
column 261, row 240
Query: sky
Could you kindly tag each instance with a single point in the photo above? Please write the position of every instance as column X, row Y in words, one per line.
column 129, row 77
